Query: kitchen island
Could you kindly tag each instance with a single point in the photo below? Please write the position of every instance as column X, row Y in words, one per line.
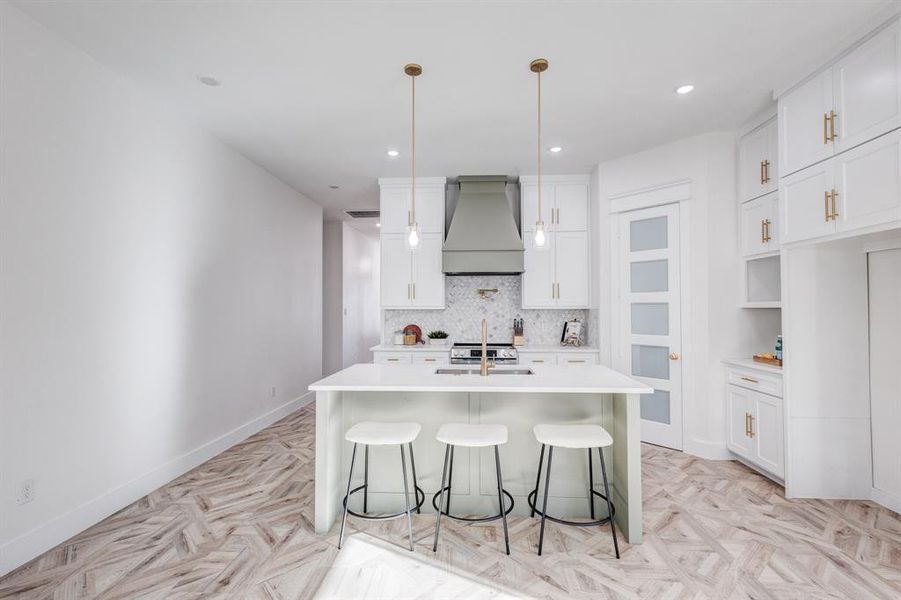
column 548, row 394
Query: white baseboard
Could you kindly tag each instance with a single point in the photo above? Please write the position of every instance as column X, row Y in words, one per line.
column 708, row 450
column 20, row 550
column 886, row 499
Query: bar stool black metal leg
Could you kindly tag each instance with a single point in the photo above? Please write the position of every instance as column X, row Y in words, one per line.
column 590, row 484
column 538, row 478
column 547, row 482
column 441, row 498
column 415, row 485
column 500, row 496
column 450, row 480
column 366, row 478
column 609, row 502
column 353, row 458
column 403, row 465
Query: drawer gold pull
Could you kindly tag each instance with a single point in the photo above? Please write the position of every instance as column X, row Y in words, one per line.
column 393, row 360
column 537, row 360
column 431, row 359
column 576, row 361
column 750, row 379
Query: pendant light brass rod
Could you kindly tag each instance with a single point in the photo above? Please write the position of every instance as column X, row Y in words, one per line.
column 413, row 156
column 539, row 146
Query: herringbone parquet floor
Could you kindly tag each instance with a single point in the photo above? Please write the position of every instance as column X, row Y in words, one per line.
column 239, row 526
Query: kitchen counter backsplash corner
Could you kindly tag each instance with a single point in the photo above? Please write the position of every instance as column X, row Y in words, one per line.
column 465, row 310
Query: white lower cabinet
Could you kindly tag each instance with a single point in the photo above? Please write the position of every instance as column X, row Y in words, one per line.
column 755, row 420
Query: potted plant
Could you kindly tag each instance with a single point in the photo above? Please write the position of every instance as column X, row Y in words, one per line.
column 438, row 338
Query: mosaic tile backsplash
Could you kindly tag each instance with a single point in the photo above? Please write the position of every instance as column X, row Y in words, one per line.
column 462, row 317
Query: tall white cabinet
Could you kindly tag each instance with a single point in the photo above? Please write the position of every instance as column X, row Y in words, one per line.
column 839, row 204
column 412, row 279
column 556, row 276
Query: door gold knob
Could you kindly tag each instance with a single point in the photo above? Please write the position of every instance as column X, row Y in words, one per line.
column 673, row 356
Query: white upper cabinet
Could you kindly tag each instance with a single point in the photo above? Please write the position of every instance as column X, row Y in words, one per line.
column 571, row 207
column 868, row 184
column 412, row 279
column 395, row 204
column 855, row 100
column 856, row 189
column 804, row 124
column 758, row 163
column 867, row 90
column 760, row 225
column 558, row 275
column 806, row 204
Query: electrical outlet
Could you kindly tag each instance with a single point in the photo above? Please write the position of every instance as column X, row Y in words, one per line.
column 26, row 491
column 272, row 393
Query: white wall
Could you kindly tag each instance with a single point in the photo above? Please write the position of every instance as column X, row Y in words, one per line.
column 332, row 296
column 718, row 327
column 154, row 287
column 360, row 290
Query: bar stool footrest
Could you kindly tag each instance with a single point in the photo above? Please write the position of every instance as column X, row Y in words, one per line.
column 420, row 500
column 473, row 519
column 604, row 521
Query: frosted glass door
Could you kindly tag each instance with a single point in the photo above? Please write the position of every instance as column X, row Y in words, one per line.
column 650, row 323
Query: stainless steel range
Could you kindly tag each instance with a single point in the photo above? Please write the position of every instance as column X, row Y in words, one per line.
column 499, row 354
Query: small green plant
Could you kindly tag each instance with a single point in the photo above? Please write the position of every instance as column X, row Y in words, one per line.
column 438, row 335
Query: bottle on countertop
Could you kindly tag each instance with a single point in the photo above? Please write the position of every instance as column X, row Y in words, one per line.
column 779, row 347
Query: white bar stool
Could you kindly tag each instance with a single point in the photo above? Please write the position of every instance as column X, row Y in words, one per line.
column 370, row 433
column 578, row 437
column 470, row 436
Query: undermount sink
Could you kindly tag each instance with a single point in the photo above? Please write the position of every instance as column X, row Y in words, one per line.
column 490, row 372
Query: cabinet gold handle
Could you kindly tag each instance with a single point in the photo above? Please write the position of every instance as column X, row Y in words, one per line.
column 576, row 361
column 825, row 128
column 393, row 360
column 826, row 205
column 414, row 291
column 746, row 424
column 766, row 231
column 553, row 290
column 762, row 176
column 750, row 425
column 766, row 171
column 537, row 360
column 430, row 359
column 409, row 296
column 750, row 379
column 834, row 212
column 762, row 232
column 832, row 116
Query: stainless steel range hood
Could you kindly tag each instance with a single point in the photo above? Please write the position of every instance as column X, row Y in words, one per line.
column 483, row 238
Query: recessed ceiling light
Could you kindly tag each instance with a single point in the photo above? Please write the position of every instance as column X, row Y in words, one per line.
column 378, row 224
column 555, row 149
column 684, row 89
column 393, row 153
column 209, row 80
column 333, row 187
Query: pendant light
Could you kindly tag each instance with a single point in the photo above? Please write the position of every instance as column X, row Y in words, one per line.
column 539, row 65
column 413, row 236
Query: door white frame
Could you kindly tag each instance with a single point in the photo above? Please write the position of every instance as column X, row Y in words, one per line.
column 675, row 192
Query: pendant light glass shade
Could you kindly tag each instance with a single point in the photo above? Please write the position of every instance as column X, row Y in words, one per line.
column 413, row 236
column 539, row 237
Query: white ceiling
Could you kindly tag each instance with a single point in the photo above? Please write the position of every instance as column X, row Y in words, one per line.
column 315, row 91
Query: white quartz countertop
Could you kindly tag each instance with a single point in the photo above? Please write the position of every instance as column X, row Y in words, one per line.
column 749, row 363
column 429, row 348
column 594, row 379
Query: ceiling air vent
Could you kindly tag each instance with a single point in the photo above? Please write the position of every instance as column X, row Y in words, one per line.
column 368, row 213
